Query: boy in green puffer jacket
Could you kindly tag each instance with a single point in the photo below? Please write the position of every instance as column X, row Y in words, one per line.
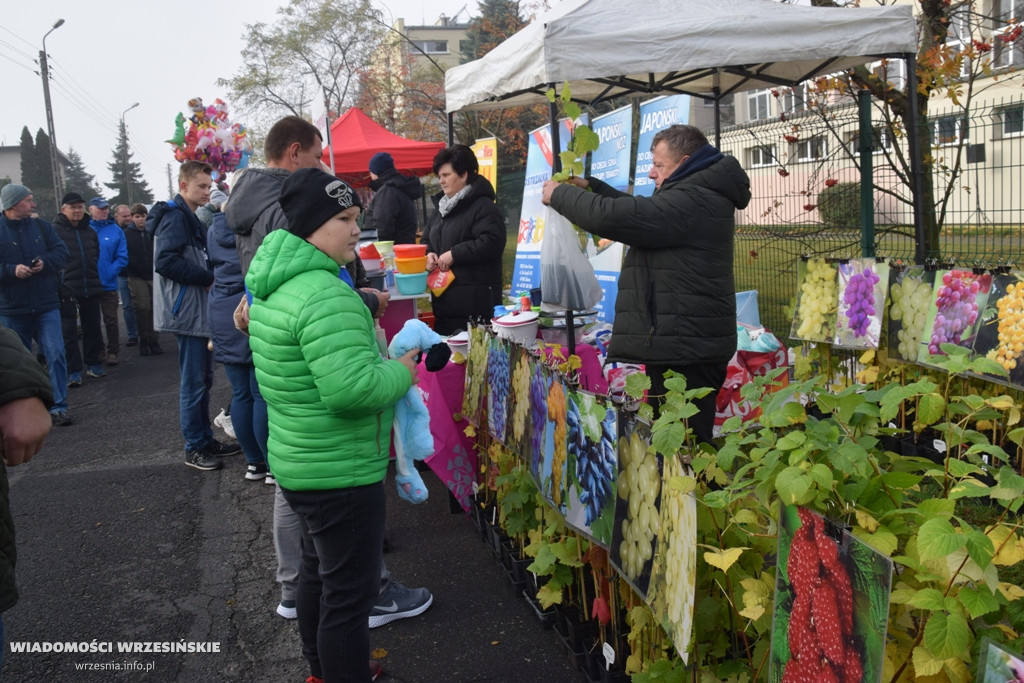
column 330, row 399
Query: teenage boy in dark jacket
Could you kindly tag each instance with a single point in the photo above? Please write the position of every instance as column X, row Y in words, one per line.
column 82, row 282
column 140, row 279
column 181, row 289
column 392, row 211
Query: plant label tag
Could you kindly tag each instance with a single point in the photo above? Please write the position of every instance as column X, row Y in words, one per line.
column 892, row 425
column 609, row 656
column 939, row 445
column 476, row 488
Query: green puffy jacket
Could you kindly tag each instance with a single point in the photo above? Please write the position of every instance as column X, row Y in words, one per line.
column 330, row 396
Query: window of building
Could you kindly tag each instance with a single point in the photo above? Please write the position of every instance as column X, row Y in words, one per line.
column 794, row 100
column 893, row 71
column 432, row 47
column 762, row 155
column 949, row 130
column 1013, row 121
column 881, row 139
column 758, row 107
column 812, row 149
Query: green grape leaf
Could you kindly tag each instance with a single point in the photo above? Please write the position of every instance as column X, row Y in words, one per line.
column 927, row 598
column 585, row 140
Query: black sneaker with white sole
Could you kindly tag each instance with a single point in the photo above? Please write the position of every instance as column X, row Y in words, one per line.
column 399, row 602
column 219, row 448
column 202, row 460
column 256, row 472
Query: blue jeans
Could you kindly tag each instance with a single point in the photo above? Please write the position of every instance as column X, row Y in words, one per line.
column 45, row 329
column 339, row 579
column 127, row 309
column 246, row 412
column 195, row 362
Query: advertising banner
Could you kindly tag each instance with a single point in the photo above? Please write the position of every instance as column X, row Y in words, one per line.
column 486, row 151
column 655, row 115
column 539, row 159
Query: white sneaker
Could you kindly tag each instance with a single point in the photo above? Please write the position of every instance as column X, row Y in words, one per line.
column 286, row 609
column 224, row 422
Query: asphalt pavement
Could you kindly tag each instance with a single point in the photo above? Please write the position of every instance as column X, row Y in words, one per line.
column 121, row 546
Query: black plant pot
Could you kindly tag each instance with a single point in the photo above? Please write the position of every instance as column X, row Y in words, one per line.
column 597, row 673
column 546, row 617
column 577, row 654
column 921, row 446
column 495, row 537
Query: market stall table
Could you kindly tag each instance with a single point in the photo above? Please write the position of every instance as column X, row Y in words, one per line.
column 454, row 459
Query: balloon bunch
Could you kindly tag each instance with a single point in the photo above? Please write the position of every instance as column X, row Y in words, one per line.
column 211, row 137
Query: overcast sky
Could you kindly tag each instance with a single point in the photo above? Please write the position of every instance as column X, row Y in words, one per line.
column 110, row 54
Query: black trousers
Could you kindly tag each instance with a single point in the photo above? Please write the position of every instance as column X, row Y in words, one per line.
column 87, row 308
column 697, row 375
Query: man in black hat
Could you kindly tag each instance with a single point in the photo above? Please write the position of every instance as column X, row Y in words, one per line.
column 392, row 211
column 82, row 291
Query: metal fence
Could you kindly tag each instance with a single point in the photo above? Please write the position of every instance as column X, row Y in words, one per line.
column 978, row 173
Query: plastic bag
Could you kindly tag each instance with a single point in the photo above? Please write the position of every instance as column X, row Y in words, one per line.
column 567, row 279
column 439, row 280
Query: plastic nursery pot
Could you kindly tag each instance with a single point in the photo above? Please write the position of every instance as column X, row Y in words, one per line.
column 545, row 616
column 385, row 247
column 409, row 250
column 577, row 654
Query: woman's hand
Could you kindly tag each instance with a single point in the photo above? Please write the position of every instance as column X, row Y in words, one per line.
column 444, row 261
column 431, row 261
column 409, row 361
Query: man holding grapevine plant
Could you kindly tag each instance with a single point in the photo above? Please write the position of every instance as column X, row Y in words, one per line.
column 676, row 306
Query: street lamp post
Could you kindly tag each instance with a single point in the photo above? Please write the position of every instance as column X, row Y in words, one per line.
column 44, row 70
column 124, row 156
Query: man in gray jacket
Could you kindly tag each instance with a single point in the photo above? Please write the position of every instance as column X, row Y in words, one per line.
column 676, row 305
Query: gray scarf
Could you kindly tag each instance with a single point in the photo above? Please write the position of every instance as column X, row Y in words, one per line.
column 447, row 203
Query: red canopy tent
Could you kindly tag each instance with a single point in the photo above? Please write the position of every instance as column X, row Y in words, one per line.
column 356, row 137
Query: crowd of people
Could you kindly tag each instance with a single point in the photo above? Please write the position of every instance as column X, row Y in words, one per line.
column 265, row 280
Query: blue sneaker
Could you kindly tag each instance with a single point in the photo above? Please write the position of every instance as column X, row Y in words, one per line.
column 96, row 371
column 75, row 380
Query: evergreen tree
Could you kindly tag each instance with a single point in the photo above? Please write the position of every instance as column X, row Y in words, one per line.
column 77, row 179
column 40, row 176
column 126, row 175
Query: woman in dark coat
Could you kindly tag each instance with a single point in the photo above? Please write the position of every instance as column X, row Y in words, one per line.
column 467, row 237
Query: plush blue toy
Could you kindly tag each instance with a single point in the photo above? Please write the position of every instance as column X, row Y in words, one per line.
column 412, row 437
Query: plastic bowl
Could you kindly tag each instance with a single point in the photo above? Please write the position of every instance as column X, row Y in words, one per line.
column 385, row 247
column 411, row 265
column 411, row 283
column 410, row 250
column 520, row 328
column 459, row 343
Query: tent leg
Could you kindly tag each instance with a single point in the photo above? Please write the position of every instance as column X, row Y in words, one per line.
column 451, row 128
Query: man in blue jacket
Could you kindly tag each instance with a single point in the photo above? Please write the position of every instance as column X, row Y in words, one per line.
column 31, row 256
column 113, row 259
column 180, row 305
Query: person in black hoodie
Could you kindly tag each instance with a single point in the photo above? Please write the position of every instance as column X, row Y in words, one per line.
column 392, row 211
column 140, row 279
column 467, row 237
column 82, row 290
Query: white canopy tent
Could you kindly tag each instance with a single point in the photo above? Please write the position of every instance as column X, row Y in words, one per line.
column 605, row 48
column 704, row 48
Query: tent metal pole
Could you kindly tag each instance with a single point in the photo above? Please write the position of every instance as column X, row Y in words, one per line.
column 717, row 91
column 922, row 248
column 451, row 128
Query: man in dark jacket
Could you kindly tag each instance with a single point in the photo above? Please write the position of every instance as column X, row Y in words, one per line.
column 31, row 256
column 82, row 281
column 25, row 395
column 676, row 306
column 392, row 211
column 140, row 279
column 181, row 287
